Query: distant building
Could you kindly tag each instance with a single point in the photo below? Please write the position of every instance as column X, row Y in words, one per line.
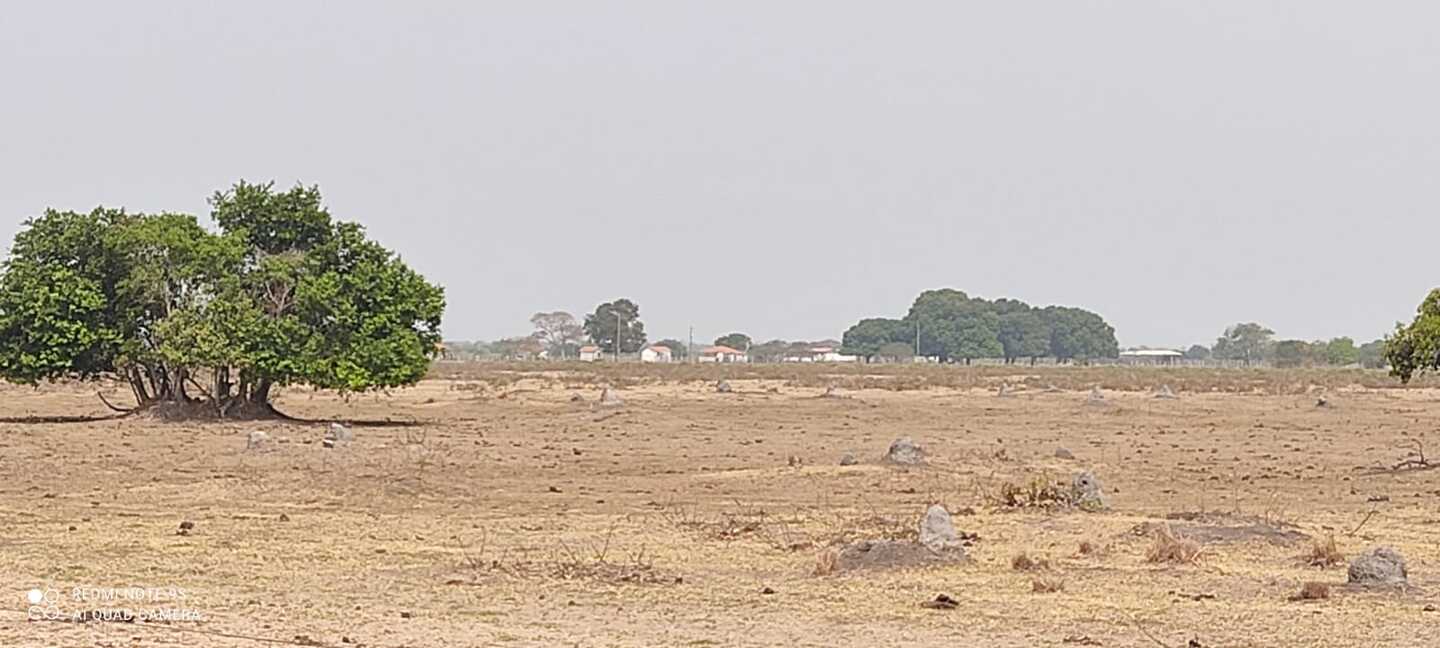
column 1151, row 356
column 656, row 353
column 822, row 354
column 591, row 354
column 722, row 354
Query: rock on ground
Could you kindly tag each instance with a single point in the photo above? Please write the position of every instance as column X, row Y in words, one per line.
column 723, row 387
column 1096, row 396
column 257, row 440
column 609, row 398
column 905, row 451
column 937, row 531
column 1380, row 566
column 848, row 460
column 1165, row 392
column 1086, row 491
column 1064, row 453
column 339, row 434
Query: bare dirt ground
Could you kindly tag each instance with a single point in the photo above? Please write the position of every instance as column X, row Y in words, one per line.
column 512, row 515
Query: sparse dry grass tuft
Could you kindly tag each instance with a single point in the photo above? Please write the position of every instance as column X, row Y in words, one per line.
column 1088, row 548
column 1324, row 553
column 826, row 561
column 1047, row 584
column 1172, row 548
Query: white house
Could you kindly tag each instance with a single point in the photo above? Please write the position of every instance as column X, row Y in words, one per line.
column 822, row 354
column 656, row 353
column 722, row 354
column 591, row 354
column 1150, row 356
column 831, row 354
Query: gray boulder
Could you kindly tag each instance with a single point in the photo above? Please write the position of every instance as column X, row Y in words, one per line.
column 723, row 387
column 937, row 531
column 1086, row 492
column 905, row 451
column 848, row 460
column 608, row 398
column 1064, row 453
column 1165, row 393
column 339, row 434
column 1096, row 398
column 1381, row 566
column 257, row 441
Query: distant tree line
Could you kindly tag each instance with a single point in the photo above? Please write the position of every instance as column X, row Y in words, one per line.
column 1250, row 343
column 954, row 327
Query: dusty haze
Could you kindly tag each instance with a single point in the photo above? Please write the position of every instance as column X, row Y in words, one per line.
column 781, row 169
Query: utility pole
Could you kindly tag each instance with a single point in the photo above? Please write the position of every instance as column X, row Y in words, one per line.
column 690, row 346
column 617, row 336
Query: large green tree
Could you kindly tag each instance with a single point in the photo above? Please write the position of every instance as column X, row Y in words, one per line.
column 1023, row 333
column 1415, row 348
column 621, row 314
column 281, row 295
column 955, row 327
column 1078, row 334
column 865, row 338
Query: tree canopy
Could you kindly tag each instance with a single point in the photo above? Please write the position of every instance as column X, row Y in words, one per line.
column 1248, row 343
column 738, row 341
column 1415, row 348
column 866, row 337
column 956, row 327
column 281, row 295
column 623, row 314
column 559, row 332
column 678, row 349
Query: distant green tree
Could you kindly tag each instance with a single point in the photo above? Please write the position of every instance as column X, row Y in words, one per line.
column 955, row 327
column 1078, row 334
column 1341, row 351
column 1291, row 353
column 622, row 314
column 1371, row 355
column 1197, row 352
column 1415, row 348
column 1247, row 343
column 769, row 351
column 865, row 338
column 678, row 350
column 738, row 341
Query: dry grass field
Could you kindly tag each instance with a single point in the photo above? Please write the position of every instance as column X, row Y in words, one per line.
column 488, row 506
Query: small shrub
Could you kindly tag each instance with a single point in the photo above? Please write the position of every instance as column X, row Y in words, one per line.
column 1023, row 562
column 1039, row 492
column 1312, row 591
column 1324, row 553
column 1088, row 548
column 1171, row 548
column 1046, row 584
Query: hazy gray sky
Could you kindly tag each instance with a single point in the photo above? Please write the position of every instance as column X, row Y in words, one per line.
column 780, row 168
